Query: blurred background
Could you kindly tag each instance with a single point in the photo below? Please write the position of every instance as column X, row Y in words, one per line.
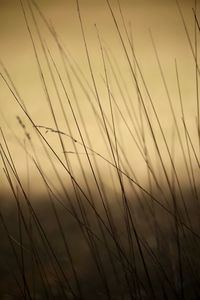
column 164, row 21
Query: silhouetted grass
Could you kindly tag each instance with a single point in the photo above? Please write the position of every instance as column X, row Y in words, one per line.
column 80, row 238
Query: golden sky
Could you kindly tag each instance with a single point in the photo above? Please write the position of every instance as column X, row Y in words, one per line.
column 161, row 17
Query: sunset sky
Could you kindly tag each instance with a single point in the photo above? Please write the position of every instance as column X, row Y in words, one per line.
column 17, row 55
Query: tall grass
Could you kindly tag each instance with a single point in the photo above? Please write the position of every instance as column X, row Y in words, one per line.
column 108, row 211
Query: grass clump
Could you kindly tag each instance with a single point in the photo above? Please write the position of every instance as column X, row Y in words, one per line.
column 104, row 202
